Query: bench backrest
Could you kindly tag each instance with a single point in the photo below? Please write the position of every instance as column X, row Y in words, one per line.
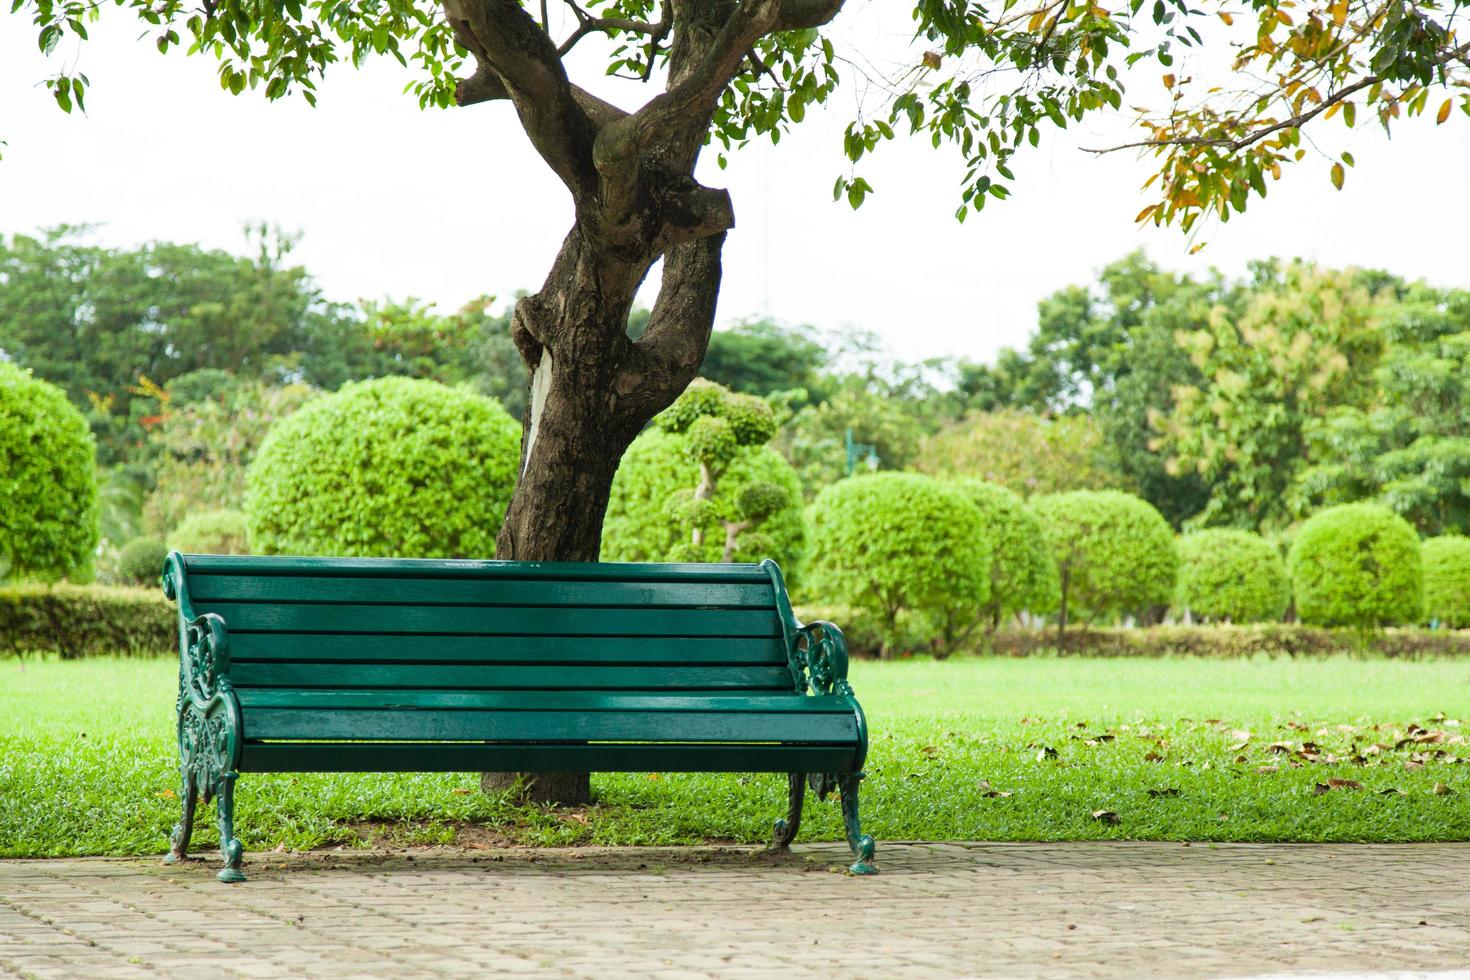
column 342, row 624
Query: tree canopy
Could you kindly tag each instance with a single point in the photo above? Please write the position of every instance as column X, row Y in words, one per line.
column 985, row 78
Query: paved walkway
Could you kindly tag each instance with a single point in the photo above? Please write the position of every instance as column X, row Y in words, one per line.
column 937, row 910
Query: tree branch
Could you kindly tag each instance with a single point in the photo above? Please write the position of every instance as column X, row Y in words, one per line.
column 1292, row 122
column 799, row 15
column 486, row 86
column 693, row 97
column 662, row 362
column 1241, row 142
column 512, row 48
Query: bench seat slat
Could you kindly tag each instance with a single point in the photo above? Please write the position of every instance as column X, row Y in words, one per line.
column 342, row 676
column 576, row 650
column 491, row 621
column 596, row 757
column 534, row 726
column 482, row 592
column 639, row 701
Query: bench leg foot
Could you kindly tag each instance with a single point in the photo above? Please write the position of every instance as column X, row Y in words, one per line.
column 230, row 848
column 786, row 829
column 862, row 845
column 178, row 841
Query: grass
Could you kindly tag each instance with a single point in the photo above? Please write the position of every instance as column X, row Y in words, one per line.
column 992, row 749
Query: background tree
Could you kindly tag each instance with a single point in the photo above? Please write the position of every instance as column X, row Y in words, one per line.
column 202, row 443
column 1110, row 351
column 1305, row 343
column 96, row 320
column 1410, row 448
column 815, row 438
column 1025, row 452
column 761, row 357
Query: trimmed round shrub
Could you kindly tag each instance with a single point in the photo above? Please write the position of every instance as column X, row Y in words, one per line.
column 1447, row 581
column 1357, row 565
column 141, row 561
column 900, row 543
column 1023, row 575
column 1114, row 552
column 1231, row 576
column 48, row 480
column 395, row 467
column 211, row 532
column 656, row 474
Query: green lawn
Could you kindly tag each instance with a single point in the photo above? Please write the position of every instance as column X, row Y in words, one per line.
column 968, row 749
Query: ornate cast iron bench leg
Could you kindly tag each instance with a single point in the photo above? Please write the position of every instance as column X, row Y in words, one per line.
column 786, row 829
column 861, row 844
column 230, row 847
column 178, row 841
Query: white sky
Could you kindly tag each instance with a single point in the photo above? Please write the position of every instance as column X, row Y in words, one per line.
column 445, row 205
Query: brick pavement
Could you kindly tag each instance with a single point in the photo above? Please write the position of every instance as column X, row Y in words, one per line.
column 937, row 910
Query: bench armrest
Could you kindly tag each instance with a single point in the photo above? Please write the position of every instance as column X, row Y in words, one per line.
column 210, row 733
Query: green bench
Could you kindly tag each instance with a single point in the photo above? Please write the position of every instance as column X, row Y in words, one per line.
column 389, row 665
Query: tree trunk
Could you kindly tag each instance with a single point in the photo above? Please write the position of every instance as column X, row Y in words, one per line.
column 592, row 391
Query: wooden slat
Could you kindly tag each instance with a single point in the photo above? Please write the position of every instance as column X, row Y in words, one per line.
column 481, row 592
column 368, row 648
column 649, row 678
column 468, row 569
column 597, row 757
column 539, row 726
column 482, row 621
column 532, row 701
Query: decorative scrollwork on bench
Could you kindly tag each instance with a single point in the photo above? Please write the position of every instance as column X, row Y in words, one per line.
column 820, row 658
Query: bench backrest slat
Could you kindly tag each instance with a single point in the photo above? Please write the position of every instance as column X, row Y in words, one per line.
column 353, row 624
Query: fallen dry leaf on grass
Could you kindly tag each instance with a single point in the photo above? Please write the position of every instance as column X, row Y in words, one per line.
column 1440, row 789
column 1106, row 816
column 1333, row 784
column 1167, row 791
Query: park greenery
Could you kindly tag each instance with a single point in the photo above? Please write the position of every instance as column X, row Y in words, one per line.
column 1157, row 451
column 984, row 80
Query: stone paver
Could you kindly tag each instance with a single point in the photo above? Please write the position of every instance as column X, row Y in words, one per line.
column 937, row 910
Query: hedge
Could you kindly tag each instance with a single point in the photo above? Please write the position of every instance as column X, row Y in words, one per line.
column 640, row 526
column 901, row 545
column 1230, row 575
column 395, row 467
column 1447, row 581
column 1023, row 575
column 48, row 481
column 1357, row 565
column 1114, row 552
column 864, row 639
column 87, row 621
